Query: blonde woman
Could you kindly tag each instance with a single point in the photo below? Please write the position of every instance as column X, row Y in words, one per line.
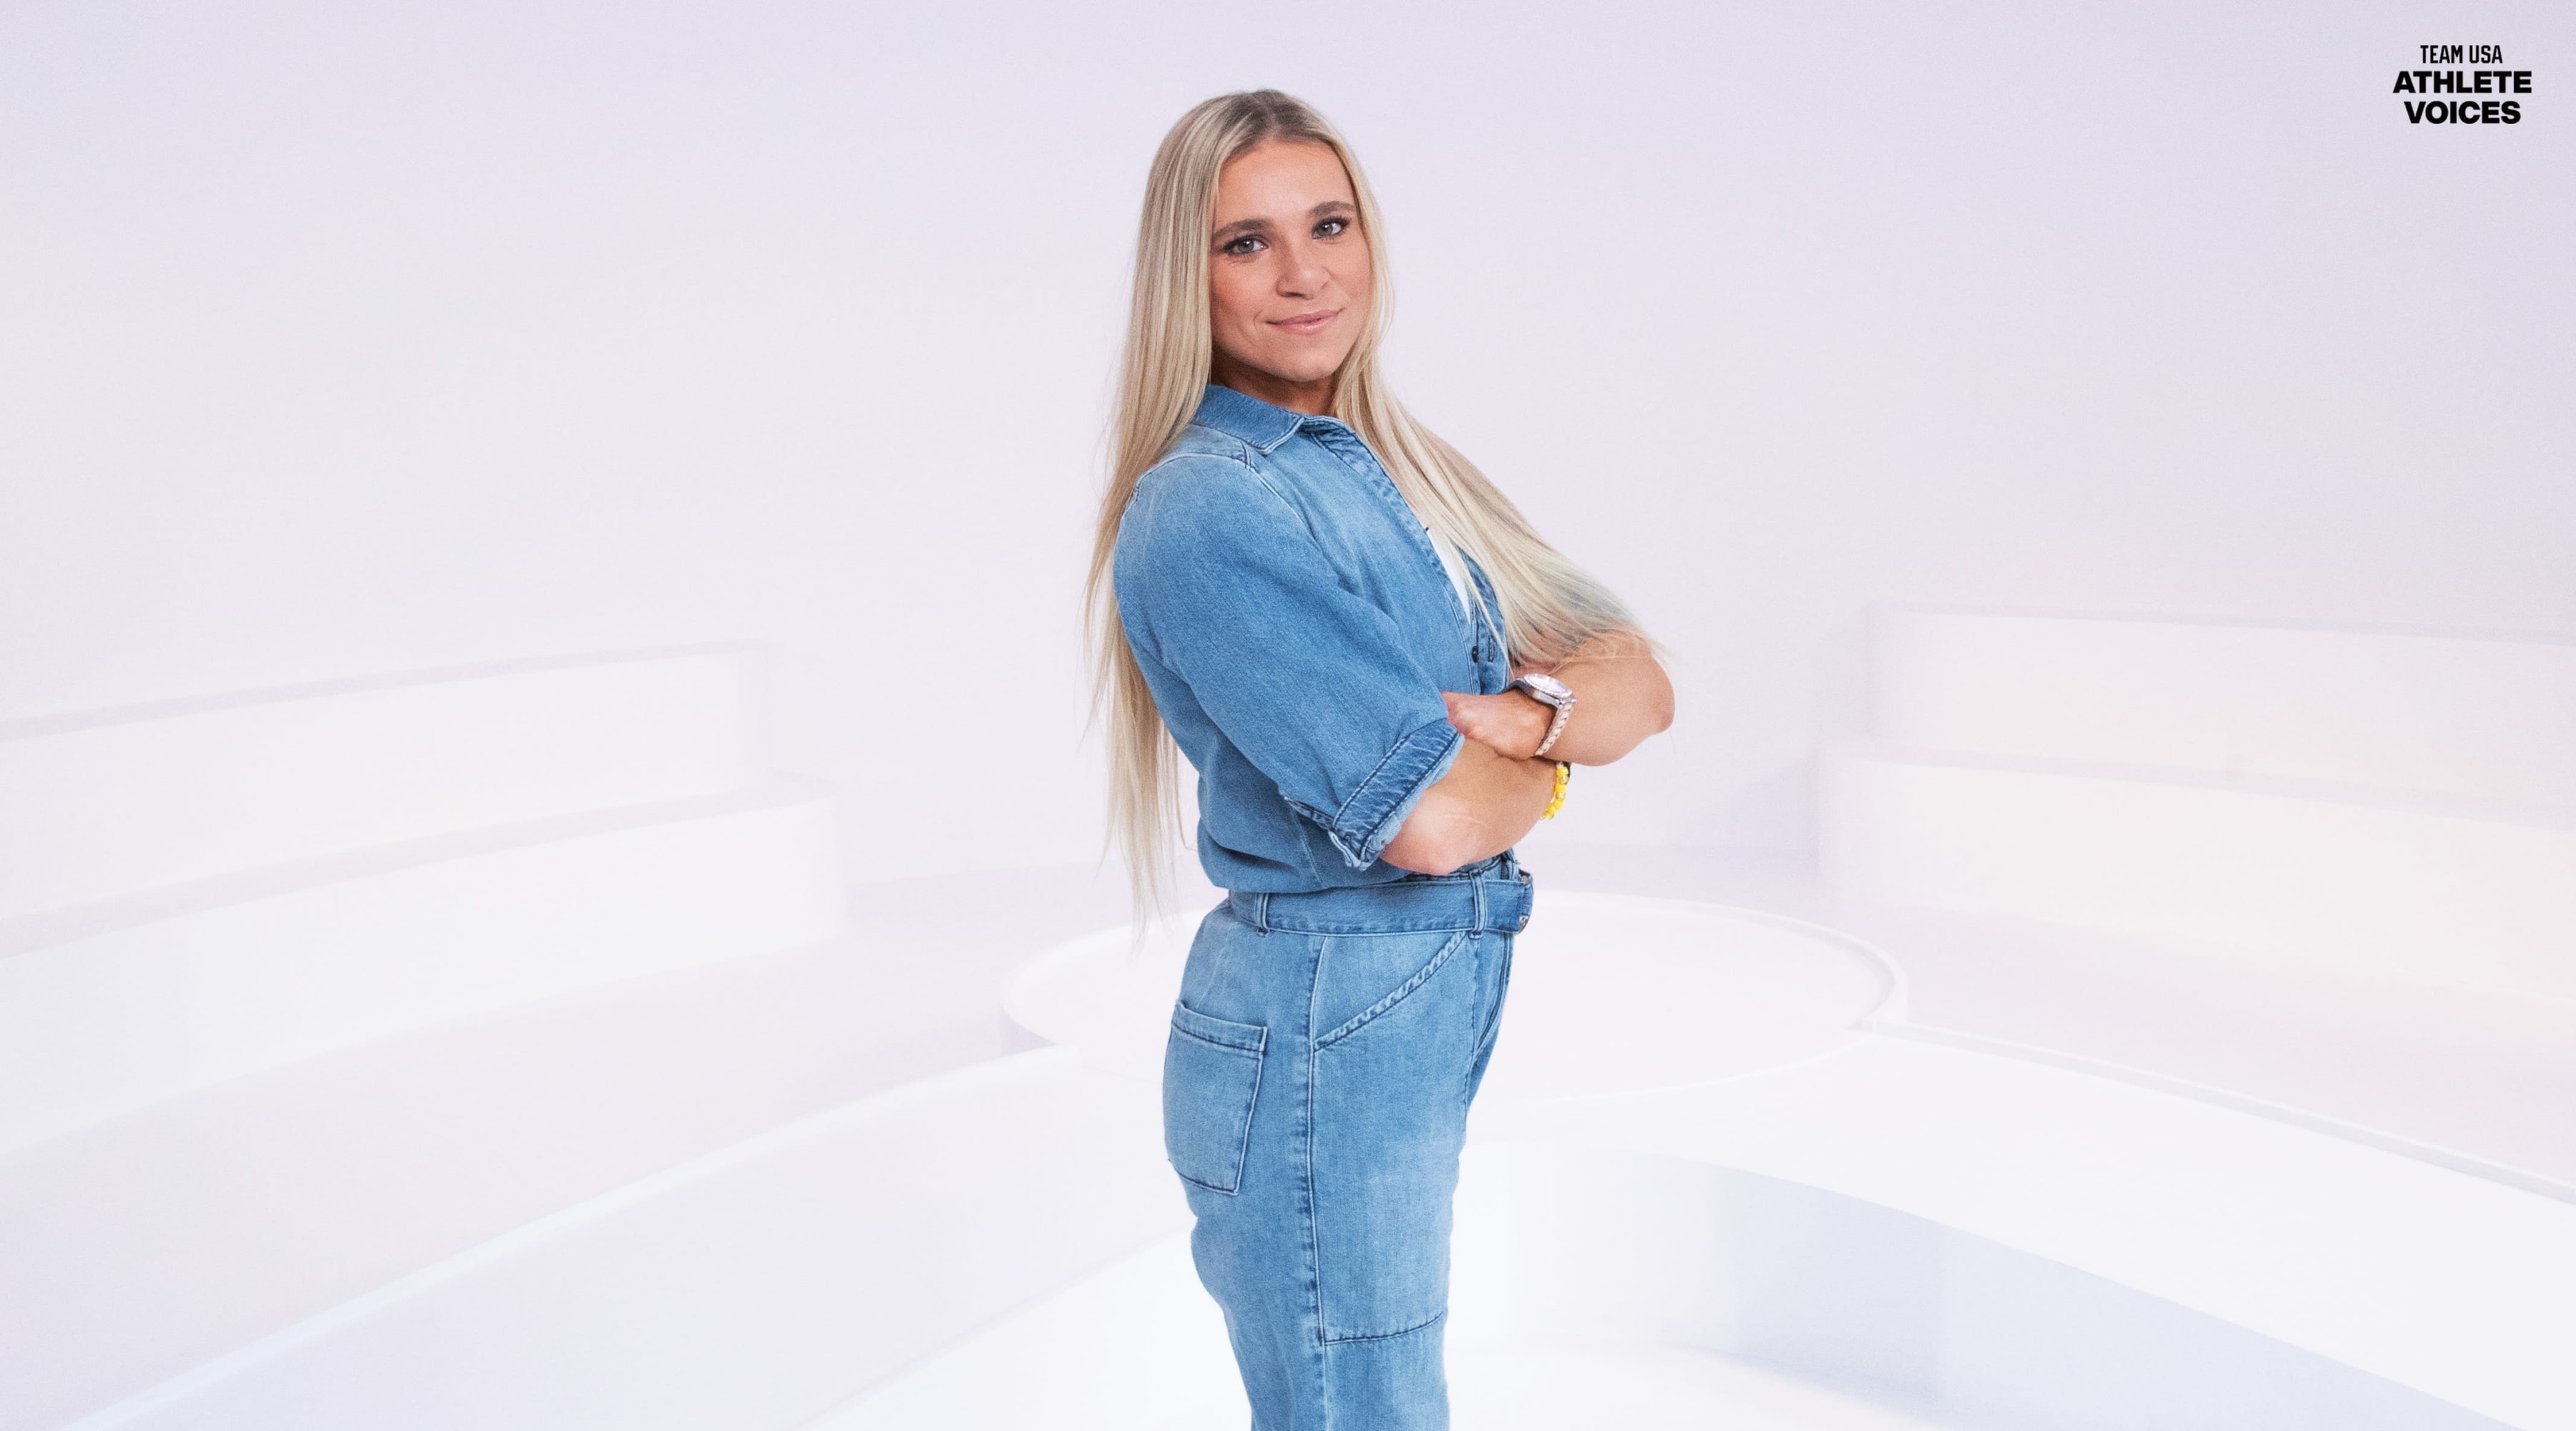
column 1382, row 677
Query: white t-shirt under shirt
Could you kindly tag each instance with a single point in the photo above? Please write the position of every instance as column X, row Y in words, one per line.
column 1457, row 570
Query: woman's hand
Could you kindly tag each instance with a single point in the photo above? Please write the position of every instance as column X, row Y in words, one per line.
column 1621, row 696
column 1510, row 724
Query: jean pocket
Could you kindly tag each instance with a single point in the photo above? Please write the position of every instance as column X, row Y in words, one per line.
column 1358, row 967
column 1211, row 1075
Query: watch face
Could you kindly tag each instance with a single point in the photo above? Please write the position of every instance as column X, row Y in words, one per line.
column 1549, row 685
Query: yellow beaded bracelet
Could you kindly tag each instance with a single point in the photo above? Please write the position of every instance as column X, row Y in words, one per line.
column 1556, row 802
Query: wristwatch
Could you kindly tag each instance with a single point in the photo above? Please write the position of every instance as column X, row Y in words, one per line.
column 1547, row 691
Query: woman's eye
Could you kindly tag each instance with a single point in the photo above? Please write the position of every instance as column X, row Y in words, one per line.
column 1331, row 228
column 1244, row 245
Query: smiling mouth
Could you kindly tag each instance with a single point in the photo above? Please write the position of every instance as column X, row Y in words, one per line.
column 1305, row 323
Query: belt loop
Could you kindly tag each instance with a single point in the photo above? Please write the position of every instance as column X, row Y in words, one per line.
column 1261, row 913
column 1478, row 885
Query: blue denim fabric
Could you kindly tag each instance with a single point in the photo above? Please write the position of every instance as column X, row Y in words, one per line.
column 1297, row 628
column 1321, row 1061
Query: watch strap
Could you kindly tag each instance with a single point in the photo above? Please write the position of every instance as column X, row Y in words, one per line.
column 1555, row 727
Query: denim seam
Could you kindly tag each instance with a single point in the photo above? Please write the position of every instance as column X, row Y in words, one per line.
column 1493, row 1025
column 1273, row 489
column 1314, row 1224
column 1420, row 977
column 1247, row 460
column 1430, row 924
column 1330, row 1341
column 1256, row 1049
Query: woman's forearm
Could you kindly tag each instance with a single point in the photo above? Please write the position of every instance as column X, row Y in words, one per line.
column 1482, row 807
column 1621, row 696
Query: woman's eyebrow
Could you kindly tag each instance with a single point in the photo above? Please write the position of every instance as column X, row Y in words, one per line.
column 1241, row 227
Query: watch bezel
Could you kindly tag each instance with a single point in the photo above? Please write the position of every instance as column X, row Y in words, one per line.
column 1546, row 688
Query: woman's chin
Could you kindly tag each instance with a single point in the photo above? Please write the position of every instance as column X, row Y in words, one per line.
column 1306, row 369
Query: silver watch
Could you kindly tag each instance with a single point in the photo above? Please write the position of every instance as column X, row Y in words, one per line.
column 1548, row 691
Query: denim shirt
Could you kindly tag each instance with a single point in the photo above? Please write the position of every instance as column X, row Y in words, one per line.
column 1297, row 628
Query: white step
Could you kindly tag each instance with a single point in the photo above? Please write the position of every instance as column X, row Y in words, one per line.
column 751, row 1289
column 2477, row 717
column 104, row 803
column 114, row 1006
column 135, row 1249
column 2437, row 891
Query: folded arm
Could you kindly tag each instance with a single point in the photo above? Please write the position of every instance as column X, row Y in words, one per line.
column 1220, row 583
column 1482, row 807
column 1497, row 790
column 1621, row 696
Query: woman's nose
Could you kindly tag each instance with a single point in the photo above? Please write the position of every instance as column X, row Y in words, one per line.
column 1302, row 275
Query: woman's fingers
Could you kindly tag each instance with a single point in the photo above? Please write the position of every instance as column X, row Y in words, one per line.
column 1512, row 725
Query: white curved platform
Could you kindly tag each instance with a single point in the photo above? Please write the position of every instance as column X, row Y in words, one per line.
column 1901, row 1230
column 2275, row 1228
column 2453, row 1286
column 104, row 803
column 111, row 1019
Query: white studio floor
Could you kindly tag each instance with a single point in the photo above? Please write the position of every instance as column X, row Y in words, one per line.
column 1496, row 1383
column 465, row 1050
column 1524, row 1388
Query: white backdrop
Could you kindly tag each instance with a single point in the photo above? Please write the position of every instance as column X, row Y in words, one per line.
column 336, row 342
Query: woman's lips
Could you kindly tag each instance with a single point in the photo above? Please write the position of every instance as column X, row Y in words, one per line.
column 1306, row 324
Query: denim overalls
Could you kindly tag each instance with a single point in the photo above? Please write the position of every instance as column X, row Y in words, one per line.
column 1297, row 628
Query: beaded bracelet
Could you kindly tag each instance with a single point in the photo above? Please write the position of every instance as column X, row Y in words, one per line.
column 1556, row 802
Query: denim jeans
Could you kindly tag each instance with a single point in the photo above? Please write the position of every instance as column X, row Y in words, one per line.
column 1322, row 1056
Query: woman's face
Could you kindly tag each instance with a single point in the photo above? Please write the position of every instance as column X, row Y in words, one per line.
column 1289, row 275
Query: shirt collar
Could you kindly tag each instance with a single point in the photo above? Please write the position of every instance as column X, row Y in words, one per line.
column 1241, row 416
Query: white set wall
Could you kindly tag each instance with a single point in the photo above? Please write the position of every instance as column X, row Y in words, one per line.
column 337, row 340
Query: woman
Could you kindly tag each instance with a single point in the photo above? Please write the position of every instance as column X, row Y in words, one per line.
column 1381, row 675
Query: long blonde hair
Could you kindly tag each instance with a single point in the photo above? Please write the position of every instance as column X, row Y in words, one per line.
column 1549, row 606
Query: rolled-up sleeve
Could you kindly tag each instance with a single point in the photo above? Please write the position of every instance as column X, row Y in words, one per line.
column 1220, row 581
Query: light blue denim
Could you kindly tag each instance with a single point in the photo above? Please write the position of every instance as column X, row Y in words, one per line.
column 1297, row 629
column 1322, row 1058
